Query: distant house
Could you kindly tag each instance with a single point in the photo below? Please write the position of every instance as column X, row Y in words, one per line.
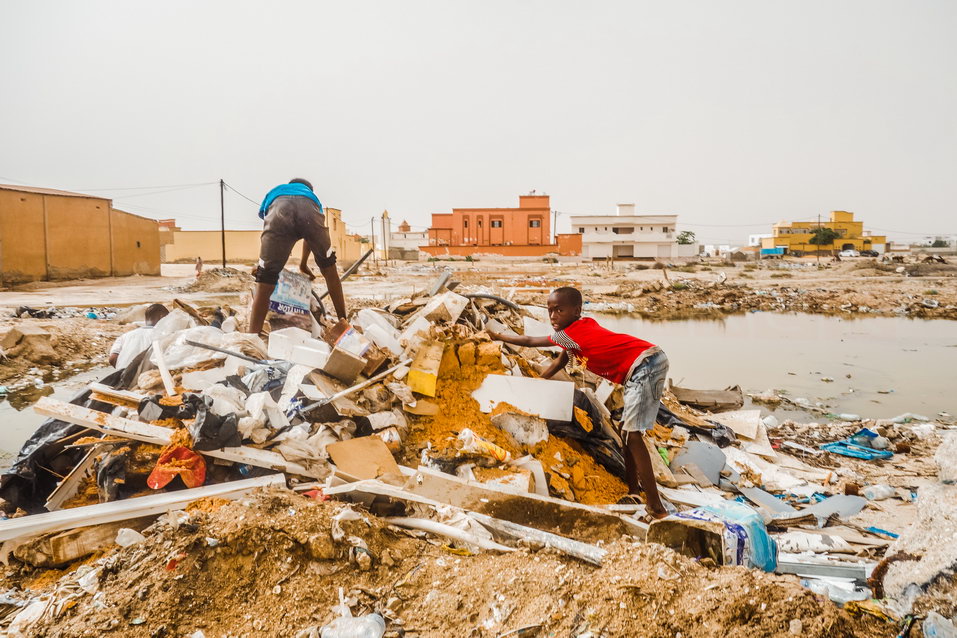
column 795, row 237
column 404, row 243
column 50, row 234
column 630, row 236
column 516, row 232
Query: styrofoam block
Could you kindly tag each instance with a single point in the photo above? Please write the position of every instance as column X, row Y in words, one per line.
column 311, row 357
column 281, row 342
column 542, row 397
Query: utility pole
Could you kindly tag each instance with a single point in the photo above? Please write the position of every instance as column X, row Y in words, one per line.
column 818, row 251
column 222, row 217
column 374, row 255
column 554, row 226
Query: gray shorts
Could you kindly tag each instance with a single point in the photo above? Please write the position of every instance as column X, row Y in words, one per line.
column 289, row 219
column 642, row 393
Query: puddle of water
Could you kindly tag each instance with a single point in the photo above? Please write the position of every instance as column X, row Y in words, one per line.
column 914, row 359
column 18, row 420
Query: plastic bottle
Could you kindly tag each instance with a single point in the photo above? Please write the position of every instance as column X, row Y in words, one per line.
column 368, row 626
column 878, row 492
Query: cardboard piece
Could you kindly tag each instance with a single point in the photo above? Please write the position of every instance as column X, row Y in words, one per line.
column 744, row 423
column 365, row 457
column 344, row 366
column 549, row 399
column 424, row 375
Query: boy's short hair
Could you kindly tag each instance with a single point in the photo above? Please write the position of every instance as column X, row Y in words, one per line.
column 303, row 181
column 573, row 295
column 155, row 312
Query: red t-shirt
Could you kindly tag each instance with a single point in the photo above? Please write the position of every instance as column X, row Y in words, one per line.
column 608, row 354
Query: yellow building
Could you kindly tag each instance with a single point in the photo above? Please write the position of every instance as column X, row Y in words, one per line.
column 795, row 237
column 242, row 246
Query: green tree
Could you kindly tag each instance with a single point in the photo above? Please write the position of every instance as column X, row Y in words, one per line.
column 685, row 237
column 940, row 243
column 823, row 236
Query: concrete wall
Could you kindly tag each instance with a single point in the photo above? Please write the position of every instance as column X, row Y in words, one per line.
column 505, row 251
column 48, row 234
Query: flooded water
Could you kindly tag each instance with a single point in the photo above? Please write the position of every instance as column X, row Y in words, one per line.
column 18, row 421
column 912, row 361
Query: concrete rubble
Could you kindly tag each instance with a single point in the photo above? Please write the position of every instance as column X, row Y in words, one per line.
column 408, row 432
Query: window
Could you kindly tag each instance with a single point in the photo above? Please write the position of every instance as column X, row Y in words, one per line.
column 534, row 223
column 465, row 223
column 137, row 244
column 623, row 230
column 581, row 231
column 496, row 223
column 480, row 223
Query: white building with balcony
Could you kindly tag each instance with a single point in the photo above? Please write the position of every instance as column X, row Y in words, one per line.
column 627, row 235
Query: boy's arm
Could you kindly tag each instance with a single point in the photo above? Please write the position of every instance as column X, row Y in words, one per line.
column 522, row 340
column 558, row 364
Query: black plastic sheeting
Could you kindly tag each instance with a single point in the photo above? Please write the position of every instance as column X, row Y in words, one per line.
column 30, row 479
column 602, row 448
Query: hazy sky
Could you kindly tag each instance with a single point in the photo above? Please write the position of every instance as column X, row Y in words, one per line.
column 731, row 114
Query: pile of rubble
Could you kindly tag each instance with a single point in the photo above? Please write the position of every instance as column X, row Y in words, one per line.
column 429, row 430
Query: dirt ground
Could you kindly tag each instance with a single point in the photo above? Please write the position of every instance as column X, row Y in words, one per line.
column 276, row 552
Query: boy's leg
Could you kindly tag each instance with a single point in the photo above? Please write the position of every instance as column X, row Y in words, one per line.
column 640, row 473
column 642, row 396
column 275, row 246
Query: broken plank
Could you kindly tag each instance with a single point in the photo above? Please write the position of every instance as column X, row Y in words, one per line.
column 68, row 487
column 128, row 508
column 584, row 522
column 157, row 435
column 60, row 548
column 546, row 398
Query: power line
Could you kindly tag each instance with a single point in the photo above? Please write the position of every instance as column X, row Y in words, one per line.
column 167, row 190
column 140, row 188
column 249, row 199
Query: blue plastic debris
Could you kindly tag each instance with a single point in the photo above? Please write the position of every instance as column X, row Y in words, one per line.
column 848, row 448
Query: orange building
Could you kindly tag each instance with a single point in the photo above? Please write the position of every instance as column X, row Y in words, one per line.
column 522, row 231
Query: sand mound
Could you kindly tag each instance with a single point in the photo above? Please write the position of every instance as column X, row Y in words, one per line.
column 268, row 566
column 219, row 280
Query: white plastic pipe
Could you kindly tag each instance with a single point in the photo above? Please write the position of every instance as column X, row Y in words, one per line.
column 448, row 531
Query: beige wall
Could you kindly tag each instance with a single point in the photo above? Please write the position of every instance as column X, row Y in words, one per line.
column 78, row 237
column 51, row 236
column 136, row 249
column 22, row 244
column 243, row 245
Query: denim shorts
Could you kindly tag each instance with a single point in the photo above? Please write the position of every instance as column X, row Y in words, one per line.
column 642, row 393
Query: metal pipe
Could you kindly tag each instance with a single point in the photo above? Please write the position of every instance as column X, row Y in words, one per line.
column 238, row 355
column 355, row 388
column 479, row 295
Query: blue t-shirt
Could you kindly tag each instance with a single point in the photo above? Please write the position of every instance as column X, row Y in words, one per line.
column 287, row 190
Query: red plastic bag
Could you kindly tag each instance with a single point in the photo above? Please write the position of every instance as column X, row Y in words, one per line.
column 178, row 461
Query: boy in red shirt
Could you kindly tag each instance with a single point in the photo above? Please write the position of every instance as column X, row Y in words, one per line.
column 640, row 366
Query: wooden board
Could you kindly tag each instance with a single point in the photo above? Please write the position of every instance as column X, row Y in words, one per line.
column 156, row 435
column 68, row 487
column 663, row 475
column 126, row 509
